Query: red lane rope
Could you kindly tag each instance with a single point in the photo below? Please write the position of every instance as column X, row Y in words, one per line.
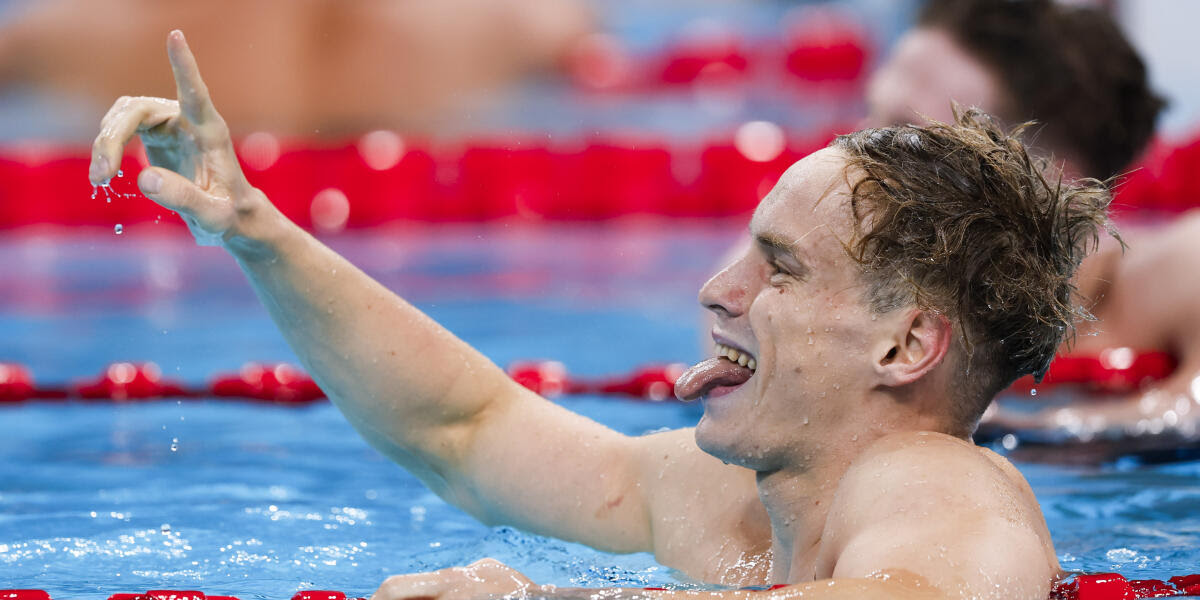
column 819, row 48
column 1099, row 586
column 384, row 178
column 174, row 595
column 1114, row 371
column 1113, row 586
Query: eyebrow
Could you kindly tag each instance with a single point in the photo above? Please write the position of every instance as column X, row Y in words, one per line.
column 776, row 244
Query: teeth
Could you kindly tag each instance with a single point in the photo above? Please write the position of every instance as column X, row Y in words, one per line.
column 736, row 356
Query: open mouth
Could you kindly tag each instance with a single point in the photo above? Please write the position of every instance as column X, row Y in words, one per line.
column 734, row 355
column 717, row 376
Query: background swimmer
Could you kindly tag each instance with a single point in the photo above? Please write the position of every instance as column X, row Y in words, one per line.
column 298, row 67
column 1072, row 70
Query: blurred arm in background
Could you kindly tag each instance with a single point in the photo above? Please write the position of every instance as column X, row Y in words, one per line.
column 301, row 67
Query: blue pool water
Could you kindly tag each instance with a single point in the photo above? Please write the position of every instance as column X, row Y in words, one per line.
column 259, row 501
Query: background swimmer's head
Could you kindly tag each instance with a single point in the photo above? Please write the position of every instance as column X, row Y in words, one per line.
column 959, row 219
column 1069, row 68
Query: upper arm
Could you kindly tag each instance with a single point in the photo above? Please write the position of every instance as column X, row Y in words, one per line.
column 527, row 462
column 945, row 513
column 538, row 466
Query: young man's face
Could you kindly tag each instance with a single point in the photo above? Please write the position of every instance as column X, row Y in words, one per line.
column 794, row 304
column 925, row 72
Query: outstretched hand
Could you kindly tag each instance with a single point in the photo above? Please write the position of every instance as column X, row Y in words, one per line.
column 487, row 578
column 195, row 171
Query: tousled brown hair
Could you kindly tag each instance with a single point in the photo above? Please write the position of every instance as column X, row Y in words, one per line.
column 959, row 219
column 1068, row 67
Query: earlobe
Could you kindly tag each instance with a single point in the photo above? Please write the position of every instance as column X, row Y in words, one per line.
column 921, row 342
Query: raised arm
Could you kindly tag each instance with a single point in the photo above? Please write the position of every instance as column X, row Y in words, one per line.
column 411, row 388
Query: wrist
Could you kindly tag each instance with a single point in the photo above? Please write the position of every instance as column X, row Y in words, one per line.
column 260, row 231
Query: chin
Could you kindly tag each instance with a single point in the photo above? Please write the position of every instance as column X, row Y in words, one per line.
column 709, row 438
column 726, row 444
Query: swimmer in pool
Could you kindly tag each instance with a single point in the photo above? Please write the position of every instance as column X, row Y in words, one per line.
column 1073, row 70
column 837, row 458
column 296, row 67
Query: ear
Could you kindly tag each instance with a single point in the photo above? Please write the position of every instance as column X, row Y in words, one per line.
column 919, row 343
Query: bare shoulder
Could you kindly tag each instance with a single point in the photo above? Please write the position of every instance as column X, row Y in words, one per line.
column 938, row 467
column 931, row 461
column 1148, row 290
column 941, row 507
column 1175, row 243
column 706, row 516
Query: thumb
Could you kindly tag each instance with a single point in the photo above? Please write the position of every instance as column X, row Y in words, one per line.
column 172, row 191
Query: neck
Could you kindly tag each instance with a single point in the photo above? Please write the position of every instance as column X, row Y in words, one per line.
column 797, row 503
column 799, row 495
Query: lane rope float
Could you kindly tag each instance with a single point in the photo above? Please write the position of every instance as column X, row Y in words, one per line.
column 1114, row 371
column 383, row 178
column 1097, row 586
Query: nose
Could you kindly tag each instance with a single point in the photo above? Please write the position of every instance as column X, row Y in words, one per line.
column 727, row 293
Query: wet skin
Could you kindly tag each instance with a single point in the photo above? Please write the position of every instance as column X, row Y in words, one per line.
column 924, row 74
column 868, row 499
column 836, row 383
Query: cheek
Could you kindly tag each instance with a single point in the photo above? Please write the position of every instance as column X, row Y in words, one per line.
column 786, row 327
column 794, row 331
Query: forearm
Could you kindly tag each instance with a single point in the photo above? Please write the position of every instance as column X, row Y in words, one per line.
column 828, row 589
column 400, row 378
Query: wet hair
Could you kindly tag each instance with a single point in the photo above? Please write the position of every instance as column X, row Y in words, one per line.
column 959, row 219
column 1067, row 67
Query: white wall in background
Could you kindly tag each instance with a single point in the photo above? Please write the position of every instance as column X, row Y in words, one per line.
column 1165, row 31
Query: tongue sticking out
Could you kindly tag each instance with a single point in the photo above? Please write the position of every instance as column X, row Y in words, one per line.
column 714, row 372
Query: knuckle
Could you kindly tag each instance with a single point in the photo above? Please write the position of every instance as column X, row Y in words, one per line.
column 489, row 563
column 390, row 584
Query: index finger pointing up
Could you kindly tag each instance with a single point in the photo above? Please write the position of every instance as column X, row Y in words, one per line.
column 193, row 94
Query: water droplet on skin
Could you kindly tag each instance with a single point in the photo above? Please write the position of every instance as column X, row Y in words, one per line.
column 805, row 422
column 119, row 229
